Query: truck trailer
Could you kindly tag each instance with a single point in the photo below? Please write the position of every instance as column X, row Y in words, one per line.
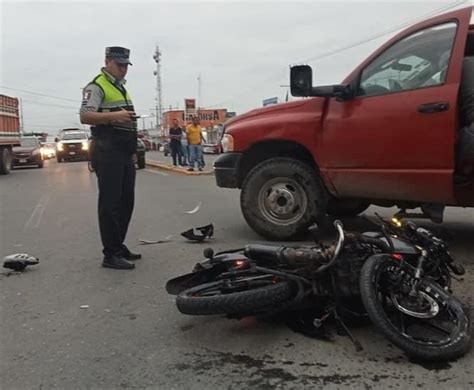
column 9, row 131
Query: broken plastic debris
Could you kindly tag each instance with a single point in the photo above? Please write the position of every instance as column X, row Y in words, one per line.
column 195, row 210
column 19, row 261
column 199, row 234
column 147, row 242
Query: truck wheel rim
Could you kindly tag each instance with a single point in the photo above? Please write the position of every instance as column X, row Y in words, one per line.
column 282, row 201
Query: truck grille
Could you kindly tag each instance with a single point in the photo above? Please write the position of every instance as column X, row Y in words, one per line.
column 75, row 147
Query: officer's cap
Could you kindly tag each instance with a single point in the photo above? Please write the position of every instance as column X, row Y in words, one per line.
column 118, row 54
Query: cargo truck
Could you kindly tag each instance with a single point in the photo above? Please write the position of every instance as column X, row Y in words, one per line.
column 9, row 131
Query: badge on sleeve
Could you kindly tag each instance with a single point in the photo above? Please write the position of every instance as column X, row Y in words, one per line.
column 87, row 94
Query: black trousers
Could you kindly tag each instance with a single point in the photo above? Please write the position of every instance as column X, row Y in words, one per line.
column 116, row 177
column 175, row 147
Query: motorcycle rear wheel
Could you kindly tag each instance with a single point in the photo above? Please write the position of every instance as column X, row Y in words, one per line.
column 221, row 298
column 434, row 328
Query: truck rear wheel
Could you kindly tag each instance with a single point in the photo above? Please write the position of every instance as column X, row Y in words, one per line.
column 5, row 161
column 281, row 197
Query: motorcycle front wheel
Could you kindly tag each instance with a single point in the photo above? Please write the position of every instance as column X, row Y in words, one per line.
column 428, row 322
column 242, row 296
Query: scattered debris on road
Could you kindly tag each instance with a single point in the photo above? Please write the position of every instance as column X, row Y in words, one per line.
column 148, row 242
column 19, row 261
column 199, row 234
column 195, row 210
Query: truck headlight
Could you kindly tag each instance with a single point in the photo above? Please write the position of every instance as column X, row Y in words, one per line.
column 227, row 143
column 60, row 146
column 85, row 145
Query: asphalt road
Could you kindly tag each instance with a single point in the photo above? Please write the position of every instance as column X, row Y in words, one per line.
column 131, row 335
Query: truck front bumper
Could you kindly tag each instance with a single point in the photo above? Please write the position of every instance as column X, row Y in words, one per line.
column 226, row 169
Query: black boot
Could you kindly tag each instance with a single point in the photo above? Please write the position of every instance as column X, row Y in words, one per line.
column 117, row 262
column 130, row 256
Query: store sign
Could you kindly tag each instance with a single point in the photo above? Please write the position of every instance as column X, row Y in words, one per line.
column 190, row 105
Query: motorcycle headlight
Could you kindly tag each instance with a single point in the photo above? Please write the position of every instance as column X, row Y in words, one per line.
column 227, row 143
column 60, row 146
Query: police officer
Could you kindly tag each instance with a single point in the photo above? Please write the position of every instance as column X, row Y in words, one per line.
column 107, row 106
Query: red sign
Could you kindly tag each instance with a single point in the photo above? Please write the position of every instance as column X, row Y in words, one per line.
column 190, row 105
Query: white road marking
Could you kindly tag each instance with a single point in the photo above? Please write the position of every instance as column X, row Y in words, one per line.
column 158, row 172
column 35, row 217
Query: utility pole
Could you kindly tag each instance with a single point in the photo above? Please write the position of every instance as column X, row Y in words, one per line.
column 199, row 93
column 22, row 126
column 159, row 94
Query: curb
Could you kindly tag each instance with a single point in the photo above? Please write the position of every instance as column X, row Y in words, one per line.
column 171, row 168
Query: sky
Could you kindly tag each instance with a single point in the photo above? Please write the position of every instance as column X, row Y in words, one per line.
column 49, row 50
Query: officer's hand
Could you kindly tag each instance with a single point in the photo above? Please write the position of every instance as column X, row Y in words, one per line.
column 123, row 116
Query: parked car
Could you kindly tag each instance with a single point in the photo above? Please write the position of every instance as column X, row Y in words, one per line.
column 141, row 162
column 72, row 145
column 212, row 148
column 166, row 148
column 149, row 144
column 29, row 153
column 386, row 136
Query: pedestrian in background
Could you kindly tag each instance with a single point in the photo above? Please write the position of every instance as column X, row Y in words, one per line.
column 175, row 136
column 185, row 149
column 108, row 107
column 195, row 138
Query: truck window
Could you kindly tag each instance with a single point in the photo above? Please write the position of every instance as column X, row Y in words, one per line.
column 417, row 61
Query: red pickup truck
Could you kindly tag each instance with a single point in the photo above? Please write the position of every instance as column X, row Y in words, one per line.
column 386, row 136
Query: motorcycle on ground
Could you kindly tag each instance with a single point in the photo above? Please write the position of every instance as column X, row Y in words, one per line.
column 399, row 276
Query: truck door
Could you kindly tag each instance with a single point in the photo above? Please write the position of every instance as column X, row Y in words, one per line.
column 395, row 139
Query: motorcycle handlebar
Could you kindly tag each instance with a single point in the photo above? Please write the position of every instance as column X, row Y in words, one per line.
column 340, row 244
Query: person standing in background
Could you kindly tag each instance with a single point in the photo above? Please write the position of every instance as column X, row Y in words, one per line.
column 185, row 148
column 175, row 135
column 195, row 138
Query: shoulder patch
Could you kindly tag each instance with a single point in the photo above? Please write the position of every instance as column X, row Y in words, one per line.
column 86, row 94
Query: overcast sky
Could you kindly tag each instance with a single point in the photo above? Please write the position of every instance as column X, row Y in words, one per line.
column 242, row 50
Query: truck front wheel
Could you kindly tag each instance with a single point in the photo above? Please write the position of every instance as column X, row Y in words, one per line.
column 5, row 161
column 281, row 197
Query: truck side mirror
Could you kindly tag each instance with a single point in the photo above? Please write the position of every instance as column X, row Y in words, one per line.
column 301, row 80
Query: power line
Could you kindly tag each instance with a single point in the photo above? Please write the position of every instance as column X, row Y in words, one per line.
column 51, row 104
column 40, row 94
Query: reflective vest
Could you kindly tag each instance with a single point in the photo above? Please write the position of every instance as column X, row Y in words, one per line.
column 115, row 99
column 119, row 136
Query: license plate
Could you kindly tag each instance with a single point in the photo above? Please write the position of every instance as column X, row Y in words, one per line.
column 72, row 153
column 22, row 160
